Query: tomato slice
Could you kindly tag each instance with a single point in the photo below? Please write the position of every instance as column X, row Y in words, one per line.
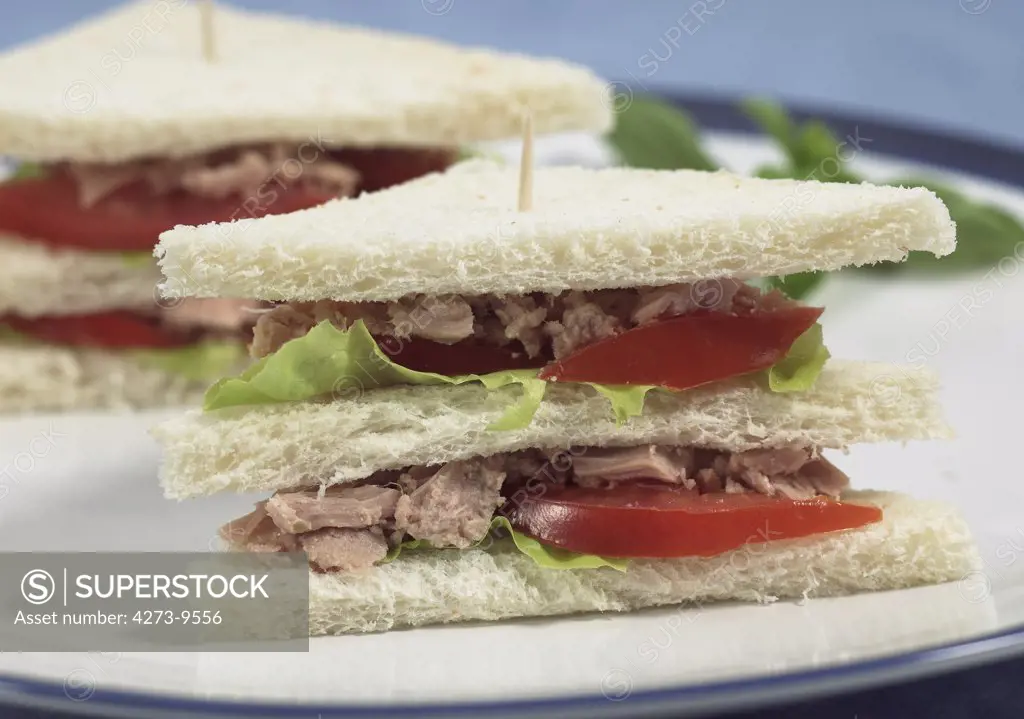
column 47, row 210
column 465, row 357
column 688, row 350
column 112, row 330
column 381, row 167
column 658, row 520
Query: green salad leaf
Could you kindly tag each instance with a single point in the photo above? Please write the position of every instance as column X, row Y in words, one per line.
column 205, row 361
column 137, row 259
column 11, row 337
column 27, row 170
column 547, row 557
column 811, row 151
column 627, row 399
column 799, row 285
column 466, row 153
column 798, row 370
column 986, row 233
column 656, row 134
column 775, row 122
column 201, row 362
column 652, row 134
column 328, row 361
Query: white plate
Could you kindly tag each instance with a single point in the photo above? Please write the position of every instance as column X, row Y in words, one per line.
column 80, row 482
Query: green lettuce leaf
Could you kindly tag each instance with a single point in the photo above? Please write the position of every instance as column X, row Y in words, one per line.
column 11, row 337
column 27, row 170
column 137, row 259
column 328, row 362
column 627, row 399
column 478, row 153
column 201, row 362
column 798, row 370
column 654, row 134
column 542, row 555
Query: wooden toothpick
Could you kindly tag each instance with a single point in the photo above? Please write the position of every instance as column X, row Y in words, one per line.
column 526, row 165
column 206, row 30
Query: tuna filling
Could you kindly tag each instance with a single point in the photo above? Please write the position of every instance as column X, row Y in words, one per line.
column 352, row 526
column 245, row 171
column 537, row 327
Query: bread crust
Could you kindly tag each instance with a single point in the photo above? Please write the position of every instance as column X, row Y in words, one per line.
column 133, row 83
column 262, row 448
column 916, row 543
column 36, row 280
column 459, row 232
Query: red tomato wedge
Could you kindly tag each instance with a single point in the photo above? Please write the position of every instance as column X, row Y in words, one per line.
column 465, row 357
column 688, row 350
column 381, row 167
column 112, row 330
column 648, row 520
column 47, row 210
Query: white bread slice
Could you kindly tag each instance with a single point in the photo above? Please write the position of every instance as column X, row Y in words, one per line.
column 134, row 82
column 459, row 232
column 50, row 379
column 917, row 543
column 36, row 280
column 270, row 447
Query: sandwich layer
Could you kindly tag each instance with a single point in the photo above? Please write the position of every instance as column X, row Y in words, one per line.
column 916, row 543
column 459, row 232
column 44, row 379
column 36, row 280
column 271, row 447
column 134, row 82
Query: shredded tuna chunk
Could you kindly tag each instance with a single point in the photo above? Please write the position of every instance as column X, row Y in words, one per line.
column 782, row 460
column 523, row 320
column 582, row 324
column 546, row 326
column 282, row 324
column 242, row 172
column 346, row 314
column 343, row 507
column 712, row 295
column 344, row 549
column 795, row 472
column 454, row 507
column 709, row 481
column 600, row 467
column 532, row 464
column 224, row 315
column 352, row 526
column 445, row 319
column 663, row 301
column 256, row 532
column 749, row 299
column 824, row 477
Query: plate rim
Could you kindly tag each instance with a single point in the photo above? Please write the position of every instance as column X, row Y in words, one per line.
column 890, row 137
column 730, row 694
column 882, row 135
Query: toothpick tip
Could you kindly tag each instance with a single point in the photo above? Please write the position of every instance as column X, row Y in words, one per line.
column 526, row 164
